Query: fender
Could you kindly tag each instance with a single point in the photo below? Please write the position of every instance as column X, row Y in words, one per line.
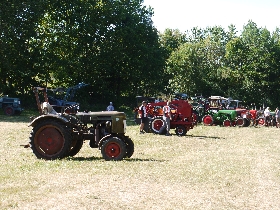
column 44, row 117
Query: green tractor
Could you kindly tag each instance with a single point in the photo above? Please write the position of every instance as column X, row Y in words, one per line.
column 222, row 117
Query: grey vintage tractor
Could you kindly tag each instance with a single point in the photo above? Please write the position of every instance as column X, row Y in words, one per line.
column 10, row 106
column 58, row 135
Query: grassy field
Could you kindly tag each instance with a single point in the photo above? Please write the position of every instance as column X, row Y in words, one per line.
column 210, row 168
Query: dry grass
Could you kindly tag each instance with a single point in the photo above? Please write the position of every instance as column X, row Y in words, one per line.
column 210, row 168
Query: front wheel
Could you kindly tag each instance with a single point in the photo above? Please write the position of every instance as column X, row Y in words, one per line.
column 207, row 120
column 261, row 121
column 227, row 123
column 129, row 147
column 113, row 149
column 181, row 130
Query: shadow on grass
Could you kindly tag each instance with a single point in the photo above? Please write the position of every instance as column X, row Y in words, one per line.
column 100, row 158
column 205, row 137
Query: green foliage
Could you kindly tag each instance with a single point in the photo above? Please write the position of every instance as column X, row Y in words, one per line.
column 218, row 62
column 114, row 47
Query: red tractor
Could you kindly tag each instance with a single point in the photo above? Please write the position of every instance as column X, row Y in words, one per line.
column 182, row 121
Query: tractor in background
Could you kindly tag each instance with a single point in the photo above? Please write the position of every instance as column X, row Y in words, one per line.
column 10, row 106
column 62, row 99
column 182, row 117
column 222, row 117
column 58, row 135
column 220, row 112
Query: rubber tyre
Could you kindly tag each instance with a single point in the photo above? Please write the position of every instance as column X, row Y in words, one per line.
column 155, row 124
column 247, row 122
column 180, row 130
column 240, row 122
column 195, row 117
column 113, row 149
column 9, row 110
column 50, row 140
column 227, row 123
column 207, row 120
column 76, row 146
column 261, row 121
column 129, row 147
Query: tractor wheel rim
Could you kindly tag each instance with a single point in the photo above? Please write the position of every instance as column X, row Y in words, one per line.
column 207, row 120
column 239, row 122
column 157, row 124
column 227, row 123
column 49, row 141
column 9, row 111
column 113, row 150
column 180, row 131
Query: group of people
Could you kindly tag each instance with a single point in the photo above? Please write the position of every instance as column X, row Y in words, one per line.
column 267, row 117
column 166, row 117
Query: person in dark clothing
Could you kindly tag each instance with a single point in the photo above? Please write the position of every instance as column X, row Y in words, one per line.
column 167, row 117
column 143, row 113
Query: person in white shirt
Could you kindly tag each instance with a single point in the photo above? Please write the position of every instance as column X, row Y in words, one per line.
column 267, row 116
column 277, row 117
column 167, row 117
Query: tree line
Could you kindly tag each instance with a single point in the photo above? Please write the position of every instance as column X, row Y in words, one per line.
column 113, row 46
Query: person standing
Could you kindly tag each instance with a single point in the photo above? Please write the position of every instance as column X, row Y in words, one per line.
column 110, row 107
column 267, row 116
column 143, row 113
column 167, row 117
column 277, row 117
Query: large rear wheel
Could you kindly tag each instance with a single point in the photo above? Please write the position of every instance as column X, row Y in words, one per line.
column 76, row 146
column 156, row 124
column 113, row 148
column 181, row 130
column 50, row 140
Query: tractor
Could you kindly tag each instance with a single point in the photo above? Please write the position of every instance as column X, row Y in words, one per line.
column 222, row 117
column 182, row 117
column 59, row 135
column 11, row 106
column 61, row 99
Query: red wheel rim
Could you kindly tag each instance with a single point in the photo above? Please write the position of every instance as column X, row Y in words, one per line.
column 207, row 120
column 49, row 141
column 113, row 149
column 157, row 124
column 239, row 122
column 227, row 123
column 261, row 121
column 9, row 111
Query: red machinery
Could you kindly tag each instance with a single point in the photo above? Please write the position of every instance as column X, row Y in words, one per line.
column 182, row 120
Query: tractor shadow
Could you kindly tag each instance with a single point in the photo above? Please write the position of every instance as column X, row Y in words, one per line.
column 205, row 137
column 101, row 159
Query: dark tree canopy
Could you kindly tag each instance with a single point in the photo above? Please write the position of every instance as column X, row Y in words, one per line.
column 113, row 46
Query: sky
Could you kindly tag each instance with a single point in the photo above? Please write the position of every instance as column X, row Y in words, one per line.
column 186, row 14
